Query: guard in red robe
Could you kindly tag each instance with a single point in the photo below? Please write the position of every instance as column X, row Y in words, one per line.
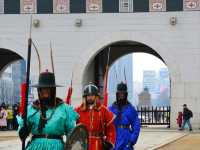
column 97, row 119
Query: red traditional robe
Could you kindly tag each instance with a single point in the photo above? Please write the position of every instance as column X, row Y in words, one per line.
column 99, row 122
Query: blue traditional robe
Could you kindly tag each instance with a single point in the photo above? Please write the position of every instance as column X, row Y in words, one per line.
column 127, row 126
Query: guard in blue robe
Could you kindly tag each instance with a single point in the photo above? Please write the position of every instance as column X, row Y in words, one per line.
column 126, row 122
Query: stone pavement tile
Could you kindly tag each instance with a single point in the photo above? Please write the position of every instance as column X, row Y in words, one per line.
column 14, row 144
column 8, row 133
column 189, row 142
column 9, row 140
column 150, row 139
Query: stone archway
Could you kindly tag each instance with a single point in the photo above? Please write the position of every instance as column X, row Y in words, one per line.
column 11, row 78
column 94, row 72
column 86, row 59
column 92, row 50
column 7, row 57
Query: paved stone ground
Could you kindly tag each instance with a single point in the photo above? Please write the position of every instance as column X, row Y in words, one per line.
column 13, row 144
column 150, row 139
column 9, row 140
column 189, row 142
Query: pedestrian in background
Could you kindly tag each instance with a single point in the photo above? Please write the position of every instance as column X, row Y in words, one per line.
column 9, row 118
column 179, row 119
column 187, row 115
column 15, row 113
column 3, row 116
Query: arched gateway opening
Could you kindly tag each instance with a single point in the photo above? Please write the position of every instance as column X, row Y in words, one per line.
column 95, row 71
column 12, row 71
column 7, row 57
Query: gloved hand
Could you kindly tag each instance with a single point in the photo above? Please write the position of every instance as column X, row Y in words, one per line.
column 129, row 144
column 107, row 145
column 23, row 133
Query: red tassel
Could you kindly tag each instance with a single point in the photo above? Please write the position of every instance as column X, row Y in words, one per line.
column 106, row 99
column 22, row 103
column 69, row 94
column 105, row 90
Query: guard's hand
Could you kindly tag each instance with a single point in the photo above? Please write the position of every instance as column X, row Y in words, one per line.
column 23, row 133
column 129, row 144
column 107, row 145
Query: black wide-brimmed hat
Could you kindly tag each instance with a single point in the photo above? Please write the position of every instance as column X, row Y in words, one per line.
column 46, row 79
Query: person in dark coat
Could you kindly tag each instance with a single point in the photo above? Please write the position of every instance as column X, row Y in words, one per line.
column 126, row 122
column 187, row 115
column 15, row 113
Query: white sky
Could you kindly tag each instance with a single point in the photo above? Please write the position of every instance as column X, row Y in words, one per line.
column 144, row 61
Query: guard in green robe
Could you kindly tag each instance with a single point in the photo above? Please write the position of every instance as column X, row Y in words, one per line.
column 48, row 118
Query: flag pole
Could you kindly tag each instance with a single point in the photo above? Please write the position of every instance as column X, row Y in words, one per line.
column 69, row 92
column 125, row 75
column 105, row 90
column 24, row 116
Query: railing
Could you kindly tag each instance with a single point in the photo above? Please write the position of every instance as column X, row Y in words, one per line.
column 154, row 115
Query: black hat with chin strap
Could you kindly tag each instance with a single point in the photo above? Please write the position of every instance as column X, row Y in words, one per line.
column 46, row 79
column 121, row 87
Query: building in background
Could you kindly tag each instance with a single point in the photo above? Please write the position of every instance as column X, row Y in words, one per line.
column 158, row 85
column 164, row 79
column 6, row 86
column 137, row 89
column 7, row 74
column 149, row 81
column 151, row 24
column 121, row 71
column 10, row 82
column 18, row 76
column 144, row 98
column 164, row 88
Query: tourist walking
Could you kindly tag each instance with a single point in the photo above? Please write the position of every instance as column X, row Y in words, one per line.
column 187, row 115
